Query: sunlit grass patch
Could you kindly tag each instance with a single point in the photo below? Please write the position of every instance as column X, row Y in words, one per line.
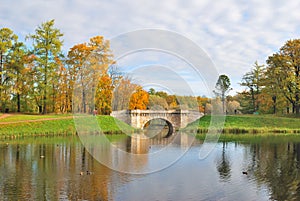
column 59, row 126
column 250, row 124
column 25, row 117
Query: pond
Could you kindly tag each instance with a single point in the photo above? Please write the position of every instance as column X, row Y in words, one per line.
column 61, row 168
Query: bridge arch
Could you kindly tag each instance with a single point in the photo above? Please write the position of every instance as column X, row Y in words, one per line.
column 156, row 127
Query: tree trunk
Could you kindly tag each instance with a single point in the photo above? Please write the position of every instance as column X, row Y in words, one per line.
column 274, row 98
column 297, row 109
column 18, row 102
column 18, row 94
column 45, row 105
column 297, row 104
column 53, row 97
column 1, row 69
column 253, row 99
column 40, row 109
column 45, row 83
column 294, row 107
column 83, row 102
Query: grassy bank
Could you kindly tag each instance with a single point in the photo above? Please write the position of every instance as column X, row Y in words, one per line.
column 39, row 125
column 250, row 124
column 47, row 125
column 255, row 138
column 28, row 117
column 56, row 139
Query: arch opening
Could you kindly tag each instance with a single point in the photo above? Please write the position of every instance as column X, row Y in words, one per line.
column 158, row 128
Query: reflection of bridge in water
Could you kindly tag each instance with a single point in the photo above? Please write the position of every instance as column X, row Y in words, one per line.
column 141, row 144
column 179, row 138
column 174, row 119
column 136, row 152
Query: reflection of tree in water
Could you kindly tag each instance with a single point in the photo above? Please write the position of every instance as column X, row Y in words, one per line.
column 223, row 165
column 55, row 176
column 278, row 167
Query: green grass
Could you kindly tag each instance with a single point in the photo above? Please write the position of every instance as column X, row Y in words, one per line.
column 256, row 138
column 24, row 117
column 111, row 124
column 58, row 126
column 55, row 139
column 61, row 125
column 251, row 124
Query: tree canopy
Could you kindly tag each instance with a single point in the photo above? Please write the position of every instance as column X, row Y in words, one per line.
column 284, row 70
column 222, row 89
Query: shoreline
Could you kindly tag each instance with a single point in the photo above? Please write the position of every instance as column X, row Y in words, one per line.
column 246, row 131
column 59, row 125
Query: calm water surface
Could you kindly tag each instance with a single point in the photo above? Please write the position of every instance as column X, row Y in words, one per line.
column 272, row 165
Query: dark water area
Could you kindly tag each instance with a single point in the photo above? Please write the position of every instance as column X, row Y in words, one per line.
column 61, row 168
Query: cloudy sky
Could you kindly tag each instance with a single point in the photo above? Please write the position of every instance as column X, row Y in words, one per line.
column 233, row 33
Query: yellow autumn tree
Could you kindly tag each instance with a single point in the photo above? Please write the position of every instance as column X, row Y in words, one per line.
column 60, row 95
column 202, row 101
column 139, row 99
column 103, row 97
column 87, row 62
column 172, row 102
column 77, row 77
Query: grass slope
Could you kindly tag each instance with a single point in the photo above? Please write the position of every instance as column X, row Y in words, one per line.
column 251, row 124
column 21, row 125
column 70, row 139
column 25, row 117
column 255, row 138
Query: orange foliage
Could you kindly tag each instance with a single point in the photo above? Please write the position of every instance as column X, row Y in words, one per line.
column 139, row 99
column 172, row 101
column 103, row 96
column 202, row 101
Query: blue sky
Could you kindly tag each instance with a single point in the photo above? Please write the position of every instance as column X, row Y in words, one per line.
column 234, row 33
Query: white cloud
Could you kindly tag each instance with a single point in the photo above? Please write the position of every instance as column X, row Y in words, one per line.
column 235, row 33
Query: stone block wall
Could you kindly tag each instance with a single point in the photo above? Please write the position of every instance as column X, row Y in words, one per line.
column 138, row 118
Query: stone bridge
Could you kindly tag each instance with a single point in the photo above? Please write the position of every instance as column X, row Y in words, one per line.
column 175, row 118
